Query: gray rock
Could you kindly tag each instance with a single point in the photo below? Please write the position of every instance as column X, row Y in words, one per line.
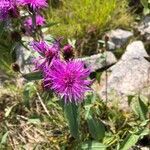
column 130, row 75
column 99, row 61
column 111, row 45
column 119, row 37
column 144, row 28
column 24, row 59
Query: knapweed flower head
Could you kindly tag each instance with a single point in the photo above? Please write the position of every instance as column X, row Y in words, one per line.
column 68, row 80
column 39, row 21
column 34, row 4
column 28, row 23
column 68, row 52
column 48, row 53
column 5, row 7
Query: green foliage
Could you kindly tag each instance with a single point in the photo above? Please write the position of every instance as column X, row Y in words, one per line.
column 74, row 19
column 146, row 5
column 4, row 138
column 96, row 128
column 28, row 92
column 130, row 141
column 33, row 76
column 139, row 108
column 6, row 46
column 93, row 145
column 71, row 113
column 92, row 124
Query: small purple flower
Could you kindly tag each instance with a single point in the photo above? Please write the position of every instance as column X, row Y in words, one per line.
column 39, row 20
column 33, row 3
column 48, row 53
column 28, row 23
column 68, row 80
column 41, row 46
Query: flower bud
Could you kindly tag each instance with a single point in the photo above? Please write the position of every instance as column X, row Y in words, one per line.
column 15, row 67
column 106, row 38
column 68, row 52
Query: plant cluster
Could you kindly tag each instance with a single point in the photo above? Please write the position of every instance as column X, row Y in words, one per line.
column 65, row 87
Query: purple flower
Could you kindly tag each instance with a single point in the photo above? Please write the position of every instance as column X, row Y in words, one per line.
column 33, row 3
column 39, row 21
column 68, row 80
column 48, row 53
column 28, row 23
column 7, row 6
column 41, row 46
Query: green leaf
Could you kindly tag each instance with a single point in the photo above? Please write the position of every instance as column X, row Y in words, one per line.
column 129, row 141
column 4, row 138
column 34, row 121
column 144, row 132
column 140, row 108
column 130, row 97
column 88, row 103
column 96, row 128
column 71, row 113
column 144, row 3
column 33, row 76
column 93, row 145
column 8, row 110
column 28, row 92
column 146, row 11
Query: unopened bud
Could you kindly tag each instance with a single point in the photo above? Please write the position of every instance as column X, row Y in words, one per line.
column 106, row 38
column 68, row 52
column 15, row 67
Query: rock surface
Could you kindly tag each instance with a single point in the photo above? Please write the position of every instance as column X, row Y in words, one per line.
column 99, row 61
column 131, row 74
column 24, row 59
column 144, row 28
column 119, row 37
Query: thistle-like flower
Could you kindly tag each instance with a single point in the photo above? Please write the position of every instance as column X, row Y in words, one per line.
column 7, row 6
column 68, row 80
column 34, row 4
column 48, row 53
column 28, row 23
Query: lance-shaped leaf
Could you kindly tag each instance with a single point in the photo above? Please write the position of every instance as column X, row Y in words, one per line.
column 96, row 128
column 33, row 76
column 71, row 113
column 129, row 141
column 140, row 108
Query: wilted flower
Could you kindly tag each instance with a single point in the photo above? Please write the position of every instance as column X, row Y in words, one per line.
column 33, row 3
column 68, row 52
column 48, row 53
column 28, row 23
column 68, row 80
